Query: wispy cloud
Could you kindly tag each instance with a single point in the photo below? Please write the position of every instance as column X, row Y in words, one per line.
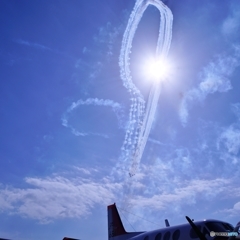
column 156, row 141
column 57, row 197
column 107, row 35
column 184, row 196
column 105, row 42
column 35, row 45
column 234, row 211
column 214, row 78
column 231, row 24
column 235, row 107
column 230, row 139
column 188, row 192
column 157, row 188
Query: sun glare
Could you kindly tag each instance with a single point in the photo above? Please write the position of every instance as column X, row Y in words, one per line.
column 157, row 70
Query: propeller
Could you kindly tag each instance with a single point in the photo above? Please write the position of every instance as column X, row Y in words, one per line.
column 196, row 230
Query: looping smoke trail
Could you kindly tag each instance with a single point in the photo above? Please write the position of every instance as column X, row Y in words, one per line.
column 116, row 107
column 141, row 117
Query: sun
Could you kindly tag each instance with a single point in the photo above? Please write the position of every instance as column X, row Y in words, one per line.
column 157, row 69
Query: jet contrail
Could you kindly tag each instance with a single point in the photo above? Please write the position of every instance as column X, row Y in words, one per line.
column 140, row 116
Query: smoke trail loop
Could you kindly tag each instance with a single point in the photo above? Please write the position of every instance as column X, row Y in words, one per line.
column 141, row 115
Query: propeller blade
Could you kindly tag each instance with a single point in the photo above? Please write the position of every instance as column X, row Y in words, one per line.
column 195, row 228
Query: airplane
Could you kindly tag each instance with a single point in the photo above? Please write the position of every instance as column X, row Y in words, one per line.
column 200, row 230
column 203, row 230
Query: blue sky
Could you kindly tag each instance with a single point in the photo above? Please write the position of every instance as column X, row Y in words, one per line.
column 66, row 114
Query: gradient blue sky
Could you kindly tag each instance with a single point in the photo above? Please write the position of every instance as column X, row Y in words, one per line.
column 64, row 114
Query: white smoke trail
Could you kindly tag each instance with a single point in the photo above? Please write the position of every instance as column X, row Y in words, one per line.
column 141, row 119
column 116, row 107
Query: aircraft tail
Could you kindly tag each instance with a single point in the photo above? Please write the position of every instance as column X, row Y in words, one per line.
column 116, row 229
